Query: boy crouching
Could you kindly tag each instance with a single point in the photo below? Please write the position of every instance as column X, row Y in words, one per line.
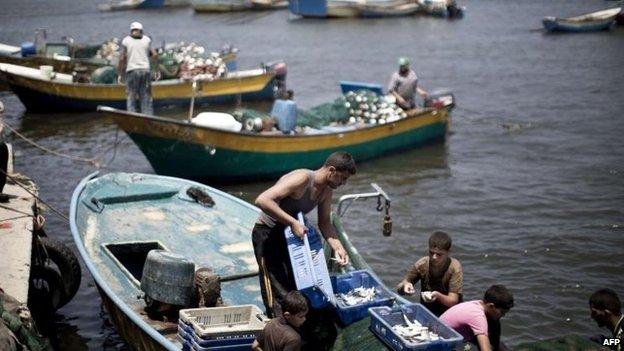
column 281, row 333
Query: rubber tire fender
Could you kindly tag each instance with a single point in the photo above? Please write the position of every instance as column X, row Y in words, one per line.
column 68, row 265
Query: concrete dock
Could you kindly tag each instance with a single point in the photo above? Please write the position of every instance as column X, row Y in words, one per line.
column 16, row 237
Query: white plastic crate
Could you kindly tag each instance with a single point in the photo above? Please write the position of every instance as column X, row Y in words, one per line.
column 230, row 321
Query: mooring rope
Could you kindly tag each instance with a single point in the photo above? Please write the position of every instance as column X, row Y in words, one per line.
column 95, row 161
column 62, row 215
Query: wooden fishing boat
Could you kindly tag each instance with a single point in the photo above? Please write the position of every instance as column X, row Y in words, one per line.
column 183, row 149
column 44, row 94
column 117, row 218
column 140, row 4
column 237, row 5
column 352, row 8
column 388, row 8
column 591, row 22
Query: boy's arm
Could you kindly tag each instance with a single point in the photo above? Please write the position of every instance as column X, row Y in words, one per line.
column 268, row 201
column 328, row 231
column 406, row 286
column 455, row 287
column 449, row 300
column 256, row 346
column 484, row 342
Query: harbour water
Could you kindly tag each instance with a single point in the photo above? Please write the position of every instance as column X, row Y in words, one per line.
column 530, row 184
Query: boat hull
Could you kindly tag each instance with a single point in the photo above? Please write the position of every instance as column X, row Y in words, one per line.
column 127, row 329
column 234, row 6
column 225, row 157
column 145, row 4
column 560, row 25
column 591, row 22
column 44, row 96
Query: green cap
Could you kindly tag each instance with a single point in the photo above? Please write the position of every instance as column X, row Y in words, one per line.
column 403, row 61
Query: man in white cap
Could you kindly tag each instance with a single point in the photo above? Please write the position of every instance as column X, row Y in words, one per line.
column 404, row 85
column 135, row 63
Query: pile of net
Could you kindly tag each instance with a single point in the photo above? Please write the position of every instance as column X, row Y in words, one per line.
column 187, row 61
column 109, row 51
column 362, row 106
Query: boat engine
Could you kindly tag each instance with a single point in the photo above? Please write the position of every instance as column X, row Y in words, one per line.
column 441, row 98
column 168, row 279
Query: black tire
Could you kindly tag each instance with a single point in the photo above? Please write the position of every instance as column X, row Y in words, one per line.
column 68, row 266
column 45, row 291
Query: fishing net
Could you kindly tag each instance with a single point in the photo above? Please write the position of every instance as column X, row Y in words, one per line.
column 104, row 75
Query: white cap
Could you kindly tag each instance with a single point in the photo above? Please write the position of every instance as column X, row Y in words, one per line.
column 136, row 25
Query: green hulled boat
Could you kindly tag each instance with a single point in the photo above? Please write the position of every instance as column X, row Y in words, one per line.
column 184, row 149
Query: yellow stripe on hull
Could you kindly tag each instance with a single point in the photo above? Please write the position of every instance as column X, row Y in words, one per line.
column 163, row 128
column 160, row 90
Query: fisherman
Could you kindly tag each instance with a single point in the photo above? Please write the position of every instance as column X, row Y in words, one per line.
column 135, row 62
column 440, row 276
column 404, row 85
column 281, row 333
column 298, row 191
column 606, row 310
column 470, row 319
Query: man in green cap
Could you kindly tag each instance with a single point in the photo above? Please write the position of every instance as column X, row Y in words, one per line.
column 404, row 85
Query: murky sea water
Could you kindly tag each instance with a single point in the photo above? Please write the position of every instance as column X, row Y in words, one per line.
column 530, row 184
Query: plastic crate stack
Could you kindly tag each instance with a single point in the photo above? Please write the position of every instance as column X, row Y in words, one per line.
column 231, row 328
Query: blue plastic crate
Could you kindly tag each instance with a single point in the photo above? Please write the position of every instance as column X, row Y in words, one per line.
column 349, row 281
column 187, row 335
column 384, row 318
column 285, row 114
column 347, row 86
column 223, row 347
column 309, row 266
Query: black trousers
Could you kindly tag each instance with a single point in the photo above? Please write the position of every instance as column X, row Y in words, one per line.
column 277, row 279
column 4, row 162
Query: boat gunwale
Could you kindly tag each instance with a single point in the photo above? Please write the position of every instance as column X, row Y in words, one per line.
column 164, row 83
column 185, row 123
column 596, row 16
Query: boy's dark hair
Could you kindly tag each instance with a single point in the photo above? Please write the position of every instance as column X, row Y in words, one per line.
column 440, row 240
column 606, row 299
column 499, row 296
column 294, row 303
column 341, row 161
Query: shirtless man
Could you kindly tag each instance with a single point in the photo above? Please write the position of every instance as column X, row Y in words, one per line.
column 298, row 191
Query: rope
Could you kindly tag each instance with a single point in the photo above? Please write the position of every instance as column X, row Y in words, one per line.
column 95, row 161
column 13, row 218
column 92, row 161
column 62, row 215
column 15, row 210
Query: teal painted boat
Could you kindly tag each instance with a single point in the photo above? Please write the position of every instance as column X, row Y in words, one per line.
column 117, row 218
column 187, row 150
